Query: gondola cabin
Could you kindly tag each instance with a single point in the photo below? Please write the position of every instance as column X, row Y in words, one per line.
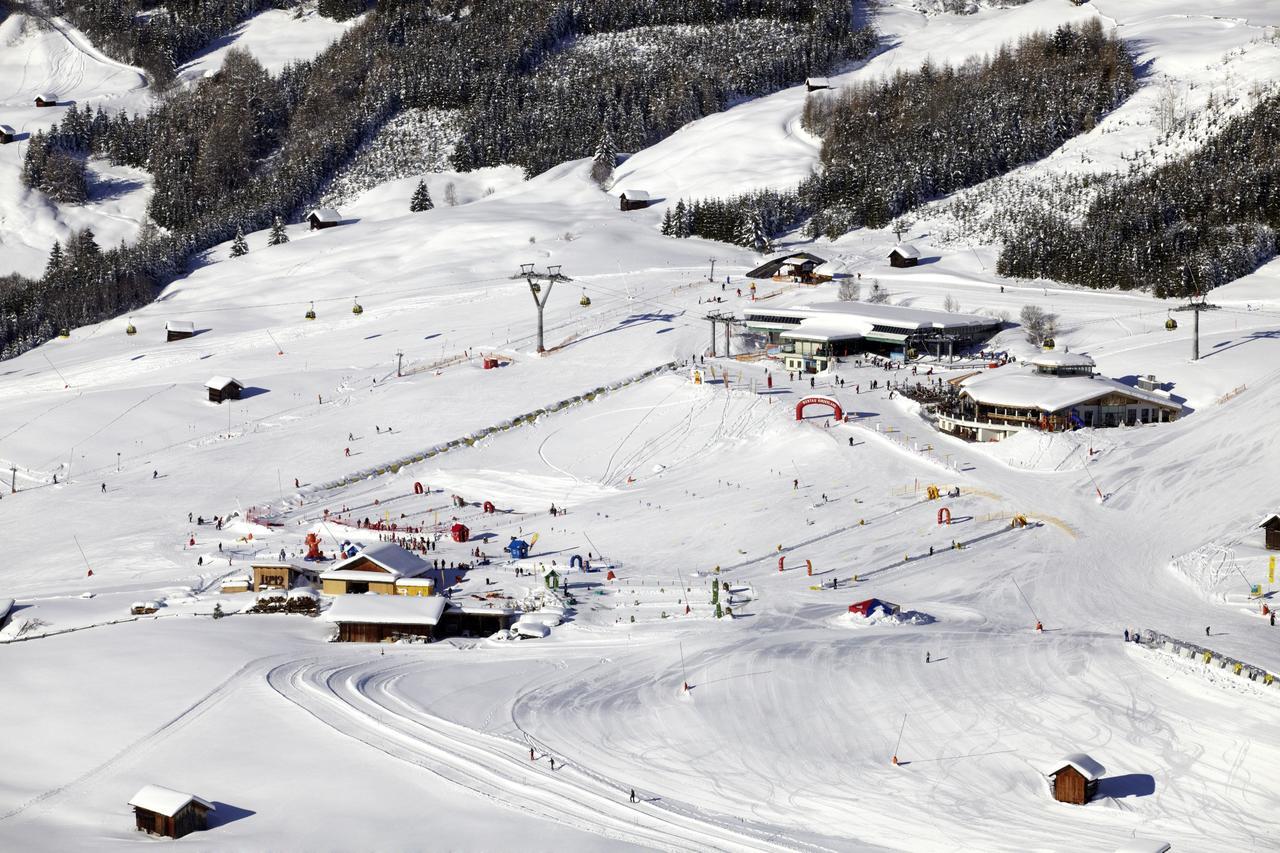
column 177, row 330
column 7, row 134
column 46, row 100
column 224, row 388
column 324, row 217
column 1074, row 778
column 634, row 200
column 169, row 813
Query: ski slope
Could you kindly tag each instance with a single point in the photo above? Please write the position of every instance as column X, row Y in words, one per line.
column 795, row 708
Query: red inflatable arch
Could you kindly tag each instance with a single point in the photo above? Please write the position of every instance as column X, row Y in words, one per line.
column 489, row 507
column 819, row 401
column 944, row 516
column 417, row 488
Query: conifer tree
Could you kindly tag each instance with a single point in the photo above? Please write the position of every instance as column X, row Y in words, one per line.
column 605, row 157
column 421, row 198
column 668, row 223
column 278, row 235
column 238, row 246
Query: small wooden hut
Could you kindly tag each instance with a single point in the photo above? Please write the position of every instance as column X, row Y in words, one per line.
column 1272, row 528
column 634, row 200
column 177, row 330
column 813, row 84
column 7, row 134
column 904, row 255
column 1074, row 778
column 223, row 388
column 173, row 814
column 324, row 217
column 144, row 608
column 383, row 618
column 282, row 574
column 46, row 100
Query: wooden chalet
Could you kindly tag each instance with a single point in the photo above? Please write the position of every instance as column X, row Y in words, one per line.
column 144, row 608
column 1272, row 528
column 170, row 813
column 904, row 255
column 46, row 100
column 177, row 330
column 224, row 388
column 378, row 569
column 1074, row 778
column 634, row 200
column 813, row 84
column 324, row 217
column 798, row 267
column 7, row 134
column 380, row 619
column 281, row 574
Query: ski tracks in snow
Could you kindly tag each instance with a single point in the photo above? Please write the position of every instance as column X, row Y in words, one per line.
column 357, row 699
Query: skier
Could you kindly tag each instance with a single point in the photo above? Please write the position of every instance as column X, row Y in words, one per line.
column 188, row 518
column 351, row 436
column 104, row 488
column 811, row 383
column 155, row 474
column 930, row 550
column 795, row 484
column 295, row 483
column 1206, row 630
column 347, row 451
column 553, row 765
column 531, row 753
column 633, row 795
column 851, row 441
column 928, row 658
column 1273, row 618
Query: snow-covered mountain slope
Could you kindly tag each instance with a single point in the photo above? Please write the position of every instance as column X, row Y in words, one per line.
column 52, row 58
column 784, row 739
column 275, row 37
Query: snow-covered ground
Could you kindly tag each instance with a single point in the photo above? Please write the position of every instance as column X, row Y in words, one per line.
column 275, row 37
column 795, row 709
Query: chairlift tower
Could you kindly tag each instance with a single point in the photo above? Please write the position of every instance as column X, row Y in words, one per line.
column 539, row 294
column 1196, row 305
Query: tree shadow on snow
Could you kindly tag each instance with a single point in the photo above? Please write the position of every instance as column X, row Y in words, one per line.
column 1128, row 785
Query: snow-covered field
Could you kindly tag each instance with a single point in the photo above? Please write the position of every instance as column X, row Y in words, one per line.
column 795, row 708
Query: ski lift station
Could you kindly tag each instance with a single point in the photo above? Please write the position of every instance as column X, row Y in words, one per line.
column 1052, row 392
column 811, row 336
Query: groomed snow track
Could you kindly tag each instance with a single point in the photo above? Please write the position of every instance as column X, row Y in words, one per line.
column 358, row 699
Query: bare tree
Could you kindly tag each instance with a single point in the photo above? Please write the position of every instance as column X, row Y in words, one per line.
column 951, row 304
column 850, row 290
column 878, row 295
column 1039, row 324
column 450, row 194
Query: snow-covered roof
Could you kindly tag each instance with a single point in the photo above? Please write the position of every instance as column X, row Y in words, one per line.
column 145, row 605
column 47, row 97
column 1266, row 522
column 240, row 580
column 325, row 214
column 817, row 81
column 219, row 382
column 6, row 604
column 1062, row 358
column 268, row 593
column 479, row 607
column 1084, row 765
column 867, row 314
column 831, row 268
column 386, row 609
column 165, row 801
column 389, row 556
column 906, row 250
column 180, row 326
column 636, row 195
column 415, row 582
column 817, row 330
column 1027, row 389
column 303, row 592
column 8, row 131
column 799, row 260
column 532, row 629
column 1144, row 845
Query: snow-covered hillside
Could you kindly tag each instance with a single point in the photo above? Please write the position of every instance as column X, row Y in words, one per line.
column 793, row 725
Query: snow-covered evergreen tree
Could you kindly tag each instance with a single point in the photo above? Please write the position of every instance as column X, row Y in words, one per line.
column 605, row 157
column 239, row 246
column 278, row 235
column 421, row 198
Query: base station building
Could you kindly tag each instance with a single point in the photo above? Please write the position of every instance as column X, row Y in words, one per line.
column 808, row 337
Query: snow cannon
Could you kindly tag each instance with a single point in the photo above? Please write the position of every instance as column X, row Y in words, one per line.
column 460, row 532
column 518, row 549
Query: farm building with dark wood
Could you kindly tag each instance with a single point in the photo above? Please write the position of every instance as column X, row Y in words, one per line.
column 1074, row 778
column 634, row 200
column 813, row 84
column 383, row 618
column 46, row 100
column 904, row 255
column 795, row 268
column 378, row 568
column 7, row 134
column 177, row 330
column 324, row 217
column 224, row 388
column 173, row 814
column 1272, row 528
